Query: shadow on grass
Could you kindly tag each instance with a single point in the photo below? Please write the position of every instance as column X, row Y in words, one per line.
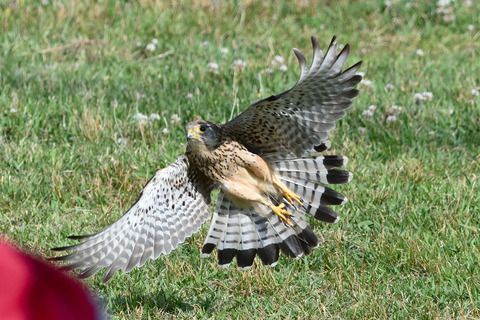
column 167, row 300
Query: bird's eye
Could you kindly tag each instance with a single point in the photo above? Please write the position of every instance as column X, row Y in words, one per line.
column 203, row 128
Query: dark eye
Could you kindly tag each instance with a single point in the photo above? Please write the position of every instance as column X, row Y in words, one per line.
column 203, row 128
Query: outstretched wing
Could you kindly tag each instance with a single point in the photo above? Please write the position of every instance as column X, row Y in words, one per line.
column 296, row 122
column 172, row 206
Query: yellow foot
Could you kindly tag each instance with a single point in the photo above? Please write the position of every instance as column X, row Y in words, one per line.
column 281, row 212
column 287, row 194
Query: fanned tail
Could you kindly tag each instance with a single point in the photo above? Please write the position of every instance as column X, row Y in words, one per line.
column 306, row 178
column 244, row 233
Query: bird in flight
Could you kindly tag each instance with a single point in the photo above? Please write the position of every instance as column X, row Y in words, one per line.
column 269, row 165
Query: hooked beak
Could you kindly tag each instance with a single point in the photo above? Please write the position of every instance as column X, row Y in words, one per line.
column 192, row 134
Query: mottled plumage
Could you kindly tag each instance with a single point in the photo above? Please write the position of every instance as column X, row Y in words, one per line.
column 267, row 164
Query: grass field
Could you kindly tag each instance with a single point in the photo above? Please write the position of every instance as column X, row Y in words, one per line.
column 78, row 77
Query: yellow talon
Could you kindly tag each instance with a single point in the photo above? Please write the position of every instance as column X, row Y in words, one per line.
column 290, row 196
column 281, row 212
column 287, row 194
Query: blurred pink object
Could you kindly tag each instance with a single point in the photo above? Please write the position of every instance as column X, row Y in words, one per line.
column 33, row 289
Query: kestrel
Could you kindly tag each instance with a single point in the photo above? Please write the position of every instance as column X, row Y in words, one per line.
column 270, row 172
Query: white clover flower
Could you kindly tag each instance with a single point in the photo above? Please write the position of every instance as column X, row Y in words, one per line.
column 151, row 47
column 395, row 109
column 279, row 59
column 213, row 67
column 139, row 44
column 189, row 96
column 121, row 141
column 155, row 41
column 114, row 103
column 468, row 3
column 44, row 2
column 283, row 68
column 470, row 27
column 239, row 64
column 268, row 70
column 367, row 113
column 443, row 3
column 448, row 18
column 427, row 96
column 140, row 116
column 443, row 10
column 475, row 92
column 154, row 116
column 389, row 86
column 419, row 52
column 175, row 119
column 165, row 131
column 372, row 108
column 418, row 98
column 13, row 110
column 391, row 118
column 205, row 43
column 362, row 129
column 224, row 50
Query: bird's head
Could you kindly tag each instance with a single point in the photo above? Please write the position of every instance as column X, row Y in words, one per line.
column 203, row 133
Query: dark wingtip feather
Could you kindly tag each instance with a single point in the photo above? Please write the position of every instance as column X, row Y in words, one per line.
column 59, row 249
column 65, row 248
column 326, row 214
column 338, row 176
column 307, row 250
column 269, row 254
column 334, row 38
column 355, row 66
column 245, row 258
column 225, row 256
column 332, row 197
column 334, row 161
column 315, row 44
column 291, row 247
column 309, row 237
column 356, row 79
column 86, row 273
column 321, row 147
column 351, row 94
column 208, row 248
column 74, row 237
column 301, row 58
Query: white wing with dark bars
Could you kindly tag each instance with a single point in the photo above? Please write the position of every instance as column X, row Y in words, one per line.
column 172, row 206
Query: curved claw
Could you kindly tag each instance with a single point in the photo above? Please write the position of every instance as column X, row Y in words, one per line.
column 290, row 196
column 281, row 212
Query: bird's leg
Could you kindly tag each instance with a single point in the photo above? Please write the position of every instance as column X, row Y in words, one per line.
column 287, row 194
column 280, row 211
